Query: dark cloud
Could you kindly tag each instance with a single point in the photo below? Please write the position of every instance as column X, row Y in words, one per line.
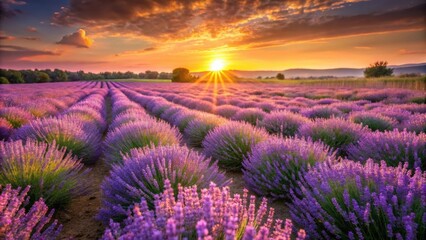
column 78, row 39
column 256, row 23
column 16, row 53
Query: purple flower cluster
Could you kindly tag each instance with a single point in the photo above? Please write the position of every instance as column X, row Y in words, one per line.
column 250, row 115
column 283, row 123
column 226, row 110
column 138, row 134
column 74, row 135
column 144, row 171
column 230, row 143
column 16, row 223
column 198, row 128
column 393, row 147
column 52, row 174
column 348, row 200
column 5, row 129
column 274, row 166
column 416, row 123
column 213, row 214
column 16, row 116
column 321, row 112
column 335, row 132
column 373, row 120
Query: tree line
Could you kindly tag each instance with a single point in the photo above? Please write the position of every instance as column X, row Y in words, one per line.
column 58, row 75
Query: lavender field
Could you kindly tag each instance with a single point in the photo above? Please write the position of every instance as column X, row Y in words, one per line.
column 139, row 160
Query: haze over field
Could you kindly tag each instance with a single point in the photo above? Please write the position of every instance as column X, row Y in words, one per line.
column 121, row 35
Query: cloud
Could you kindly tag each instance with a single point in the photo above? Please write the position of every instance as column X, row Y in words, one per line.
column 6, row 37
column 32, row 29
column 411, row 52
column 16, row 53
column 31, row 38
column 78, row 39
column 136, row 52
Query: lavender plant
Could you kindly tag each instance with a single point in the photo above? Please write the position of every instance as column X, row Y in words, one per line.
column 5, row 128
column 393, row 147
column 283, row 123
column 82, row 141
column 416, row 123
column 374, row 121
column 250, row 115
column 336, row 133
column 52, row 174
column 230, row 143
column 16, row 116
column 227, row 111
column 16, row 223
column 143, row 173
column 274, row 166
column 349, row 200
column 198, row 129
column 213, row 214
column 321, row 112
column 138, row 135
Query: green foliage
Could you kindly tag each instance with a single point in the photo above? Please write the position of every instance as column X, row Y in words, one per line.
column 280, row 76
column 4, row 80
column 182, row 75
column 378, row 69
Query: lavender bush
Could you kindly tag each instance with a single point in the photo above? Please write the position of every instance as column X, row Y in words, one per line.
column 144, row 171
column 227, row 111
column 274, row 166
column 349, row 200
column 137, row 135
column 16, row 116
column 374, row 121
column 416, row 123
column 321, row 112
column 198, row 129
column 213, row 214
column 16, row 223
column 336, row 133
column 5, row 129
column 182, row 118
column 283, row 123
column 250, row 115
column 393, row 147
column 52, row 174
column 82, row 141
column 230, row 143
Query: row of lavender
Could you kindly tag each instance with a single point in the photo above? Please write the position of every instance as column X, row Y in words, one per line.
column 151, row 168
column 45, row 157
column 278, row 168
column 147, row 161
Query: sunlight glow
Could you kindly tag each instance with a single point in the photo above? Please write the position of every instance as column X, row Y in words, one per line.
column 217, row 65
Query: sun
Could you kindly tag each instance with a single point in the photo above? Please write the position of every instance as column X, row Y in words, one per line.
column 217, row 65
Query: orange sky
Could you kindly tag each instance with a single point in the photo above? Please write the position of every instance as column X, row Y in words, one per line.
column 95, row 35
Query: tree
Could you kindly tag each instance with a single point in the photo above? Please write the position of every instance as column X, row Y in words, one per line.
column 15, row 77
column 4, row 80
column 181, row 75
column 280, row 76
column 378, row 69
column 42, row 77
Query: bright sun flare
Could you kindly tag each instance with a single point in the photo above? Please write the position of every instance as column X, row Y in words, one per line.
column 217, row 65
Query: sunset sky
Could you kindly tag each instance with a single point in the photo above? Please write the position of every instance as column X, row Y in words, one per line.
column 139, row 35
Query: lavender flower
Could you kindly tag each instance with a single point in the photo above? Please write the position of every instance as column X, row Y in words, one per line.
column 66, row 132
column 321, row 112
column 349, row 200
column 16, row 116
column 230, row 143
column 182, row 118
column 336, row 133
column 274, row 166
column 214, row 214
column 374, row 121
column 5, row 128
column 144, row 171
column 52, row 174
column 283, row 123
column 393, row 147
column 128, row 116
column 137, row 135
column 227, row 111
column 250, row 115
column 416, row 123
column 198, row 128
column 16, row 223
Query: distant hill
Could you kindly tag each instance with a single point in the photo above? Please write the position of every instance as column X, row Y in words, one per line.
column 335, row 72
